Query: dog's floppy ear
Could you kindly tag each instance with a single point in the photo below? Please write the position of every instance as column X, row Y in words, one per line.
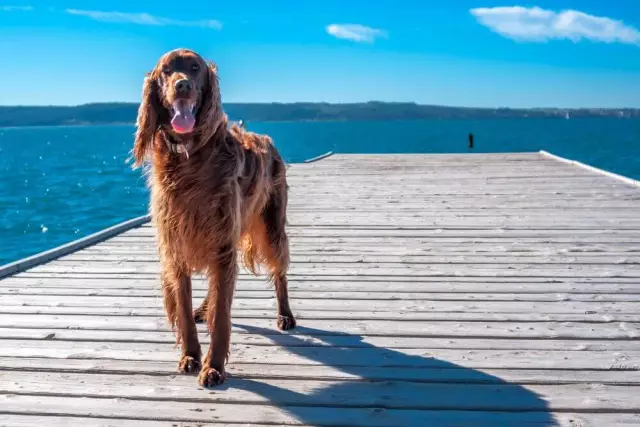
column 211, row 103
column 147, row 121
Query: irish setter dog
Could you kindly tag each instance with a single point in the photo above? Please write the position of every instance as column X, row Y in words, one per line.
column 217, row 192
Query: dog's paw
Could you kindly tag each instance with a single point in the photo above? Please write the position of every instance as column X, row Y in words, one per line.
column 286, row 323
column 210, row 377
column 188, row 365
column 199, row 315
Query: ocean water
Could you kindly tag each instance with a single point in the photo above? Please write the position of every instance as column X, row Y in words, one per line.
column 58, row 184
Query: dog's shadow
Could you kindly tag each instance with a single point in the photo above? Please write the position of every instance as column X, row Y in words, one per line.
column 396, row 389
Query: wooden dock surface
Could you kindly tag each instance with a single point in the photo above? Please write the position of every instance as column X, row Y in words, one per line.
column 480, row 290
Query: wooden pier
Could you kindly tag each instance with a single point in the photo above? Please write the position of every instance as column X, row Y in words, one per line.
column 479, row 290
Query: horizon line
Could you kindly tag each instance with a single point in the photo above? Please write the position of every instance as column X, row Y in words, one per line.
column 332, row 103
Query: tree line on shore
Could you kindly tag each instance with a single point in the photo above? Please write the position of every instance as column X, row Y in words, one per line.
column 125, row 113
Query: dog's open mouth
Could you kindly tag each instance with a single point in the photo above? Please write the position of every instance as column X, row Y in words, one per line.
column 183, row 119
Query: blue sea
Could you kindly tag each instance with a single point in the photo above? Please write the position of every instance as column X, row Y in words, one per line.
column 58, row 184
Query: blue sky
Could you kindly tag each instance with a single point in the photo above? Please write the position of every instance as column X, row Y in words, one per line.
column 580, row 53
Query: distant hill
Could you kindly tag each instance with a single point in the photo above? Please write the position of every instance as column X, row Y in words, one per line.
column 114, row 113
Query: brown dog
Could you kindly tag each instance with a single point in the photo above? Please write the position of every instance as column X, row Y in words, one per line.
column 214, row 190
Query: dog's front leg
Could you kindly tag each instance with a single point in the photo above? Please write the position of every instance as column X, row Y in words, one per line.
column 223, row 275
column 176, row 285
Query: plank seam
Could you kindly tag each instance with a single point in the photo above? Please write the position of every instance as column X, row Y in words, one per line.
column 597, row 170
column 57, row 252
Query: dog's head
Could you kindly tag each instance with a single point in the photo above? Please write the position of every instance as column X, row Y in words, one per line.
column 182, row 96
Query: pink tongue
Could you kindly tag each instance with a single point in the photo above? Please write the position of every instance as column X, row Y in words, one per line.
column 183, row 121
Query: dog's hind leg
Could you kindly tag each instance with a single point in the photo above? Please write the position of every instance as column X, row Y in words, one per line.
column 276, row 255
column 200, row 313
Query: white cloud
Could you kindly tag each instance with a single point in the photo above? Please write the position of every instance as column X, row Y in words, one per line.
column 16, row 8
column 143, row 19
column 355, row 32
column 537, row 25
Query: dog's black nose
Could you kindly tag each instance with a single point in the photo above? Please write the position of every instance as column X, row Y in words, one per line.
column 183, row 86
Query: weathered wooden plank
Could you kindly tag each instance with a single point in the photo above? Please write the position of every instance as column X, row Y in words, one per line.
column 100, row 286
column 525, row 249
column 339, row 160
column 130, row 270
column 400, row 232
column 12, row 420
column 265, row 337
column 305, row 338
column 447, row 197
column 565, row 330
column 383, row 277
column 341, row 357
column 395, row 159
column 410, row 192
column 453, row 196
column 618, row 224
column 426, row 256
column 608, row 310
column 326, row 262
column 321, row 257
column 480, row 204
column 441, row 200
column 443, row 192
column 143, row 297
column 492, row 176
column 435, row 243
column 442, row 171
column 453, row 374
column 613, row 243
column 381, row 168
column 432, row 242
column 354, row 394
column 436, row 246
column 446, row 174
column 441, row 247
column 152, row 265
column 353, row 279
column 450, row 177
column 336, row 356
column 203, row 412
column 592, row 317
column 417, row 358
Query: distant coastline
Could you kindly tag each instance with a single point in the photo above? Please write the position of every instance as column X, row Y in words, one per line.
column 125, row 113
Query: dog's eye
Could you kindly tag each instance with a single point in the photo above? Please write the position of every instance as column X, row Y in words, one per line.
column 195, row 67
column 166, row 70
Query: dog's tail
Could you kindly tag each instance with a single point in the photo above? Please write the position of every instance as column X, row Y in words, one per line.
column 249, row 254
column 252, row 247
